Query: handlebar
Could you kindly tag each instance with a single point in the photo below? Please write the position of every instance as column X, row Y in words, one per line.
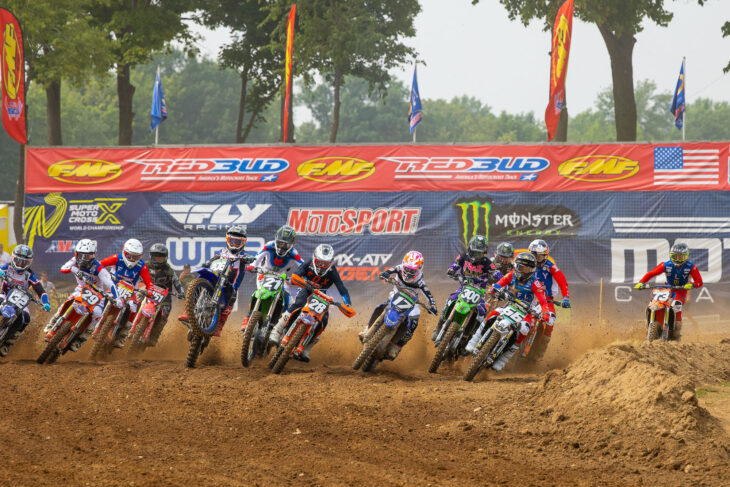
column 659, row 286
column 398, row 285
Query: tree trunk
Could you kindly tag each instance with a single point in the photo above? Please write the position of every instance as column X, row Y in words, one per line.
column 240, row 138
column 125, row 93
column 561, row 131
column 20, row 196
column 336, row 109
column 53, row 113
column 620, row 50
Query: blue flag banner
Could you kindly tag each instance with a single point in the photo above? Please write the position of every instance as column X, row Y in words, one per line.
column 677, row 107
column 158, row 114
column 415, row 108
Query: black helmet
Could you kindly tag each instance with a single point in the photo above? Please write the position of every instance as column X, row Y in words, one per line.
column 503, row 257
column 284, row 240
column 525, row 265
column 22, row 258
column 236, row 237
column 679, row 254
column 477, row 248
column 158, row 256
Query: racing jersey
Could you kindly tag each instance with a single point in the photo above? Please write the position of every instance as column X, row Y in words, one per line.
column 235, row 276
column 419, row 284
column 166, row 279
column 482, row 272
column 96, row 274
column 268, row 260
column 676, row 276
column 332, row 276
column 26, row 279
column 124, row 273
column 546, row 273
column 526, row 291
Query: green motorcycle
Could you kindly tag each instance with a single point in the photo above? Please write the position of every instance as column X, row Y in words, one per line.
column 460, row 324
column 266, row 306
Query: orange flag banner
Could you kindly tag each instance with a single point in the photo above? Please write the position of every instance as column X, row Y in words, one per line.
column 12, row 74
column 287, row 69
column 562, row 32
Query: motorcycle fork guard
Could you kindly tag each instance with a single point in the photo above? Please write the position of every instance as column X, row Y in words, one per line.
column 448, row 319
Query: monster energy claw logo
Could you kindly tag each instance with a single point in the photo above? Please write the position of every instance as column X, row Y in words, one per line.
column 474, row 218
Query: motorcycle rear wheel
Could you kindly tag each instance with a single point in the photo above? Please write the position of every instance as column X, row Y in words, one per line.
column 476, row 364
column 62, row 332
column 136, row 347
column 287, row 352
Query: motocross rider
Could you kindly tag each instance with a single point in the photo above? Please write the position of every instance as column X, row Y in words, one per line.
column 546, row 271
column 83, row 265
column 408, row 274
column 236, row 237
column 279, row 255
column 522, row 284
column 19, row 273
column 129, row 267
column 163, row 276
column 678, row 270
column 321, row 273
column 473, row 264
column 503, row 257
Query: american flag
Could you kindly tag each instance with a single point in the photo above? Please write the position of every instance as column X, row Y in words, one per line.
column 677, row 165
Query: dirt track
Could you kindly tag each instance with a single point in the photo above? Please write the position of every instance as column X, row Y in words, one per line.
column 625, row 414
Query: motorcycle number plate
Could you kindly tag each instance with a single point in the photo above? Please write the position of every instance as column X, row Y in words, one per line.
column 402, row 303
column 661, row 294
column 218, row 265
column 514, row 314
column 316, row 306
column 271, row 283
column 90, row 296
column 156, row 295
column 124, row 290
column 470, row 296
column 18, row 298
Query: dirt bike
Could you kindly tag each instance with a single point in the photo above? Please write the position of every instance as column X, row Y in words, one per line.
column 265, row 309
column 460, row 324
column 113, row 320
column 205, row 301
column 501, row 331
column 659, row 312
column 388, row 328
column 73, row 321
column 534, row 337
column 149, row 322
column 11, row 311
column 301, row 330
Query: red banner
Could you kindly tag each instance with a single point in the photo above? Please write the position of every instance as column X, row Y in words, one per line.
column 12, row 73
column 562, row 32
column 287, row 68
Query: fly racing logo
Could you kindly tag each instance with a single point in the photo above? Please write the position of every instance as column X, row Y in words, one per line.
column 473, row 218
column 214, row 217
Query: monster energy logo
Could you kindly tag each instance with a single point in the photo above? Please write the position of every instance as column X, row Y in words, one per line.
column 474, row 219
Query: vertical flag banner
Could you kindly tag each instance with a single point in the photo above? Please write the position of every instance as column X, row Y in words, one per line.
column 158, row 113
column 287, row 69
column 562, row 32
column 677, row 107
column 12, row 72
column 415, row 108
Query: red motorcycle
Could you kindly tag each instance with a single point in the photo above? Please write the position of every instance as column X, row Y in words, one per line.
column 148, row 322
column 113, row 320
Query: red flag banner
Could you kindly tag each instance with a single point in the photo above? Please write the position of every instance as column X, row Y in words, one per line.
column 288, row 70
column 562, row 32
column 13, row 77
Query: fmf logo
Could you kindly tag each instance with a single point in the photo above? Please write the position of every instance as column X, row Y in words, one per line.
column 598, row 168
column 198, row 250
column 62, row 246
column 469, row 168
column 214, row 217
column 354, row 221
column 473, row 219
column 84, row 171
column 336, row 169
column 216, row 170
column 11, row 67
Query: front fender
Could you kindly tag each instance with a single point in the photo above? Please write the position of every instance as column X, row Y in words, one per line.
column 207, row 274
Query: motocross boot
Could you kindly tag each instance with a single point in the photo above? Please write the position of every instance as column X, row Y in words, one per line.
column 222, row 321
column 9, row 343
column 183, row 318
column 677, row 331
column 76, row 344
column 440, row 323
column 275, row 335
column 504, row 358
column 244, row 325
column 471, row 347
column 304, row 355
column 122, row 337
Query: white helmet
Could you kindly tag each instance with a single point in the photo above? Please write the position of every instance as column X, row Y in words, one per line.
column 322, row 259
column 85, row 253
column 132, row 252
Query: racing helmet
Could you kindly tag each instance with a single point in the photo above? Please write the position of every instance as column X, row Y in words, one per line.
column 85, row 253
column 412, row 266
column 679, row 253
column 132, row 252
column 322, row 258
column 158, row 256
column 477, row 248
column 540, row 250
column 525, row 265
column 503, row 257
column 236, row 237
column 284, row 240
column 22, row 258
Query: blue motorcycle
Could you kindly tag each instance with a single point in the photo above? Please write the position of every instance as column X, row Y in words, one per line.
column 379, row 342
column 11, row 311
column 205, row 301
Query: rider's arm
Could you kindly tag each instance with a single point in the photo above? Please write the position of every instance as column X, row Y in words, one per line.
column 388, row 272
column 176, row 281
column 560, row 279
column 538, row 289
column 427, row 292
column 653, row 273
column 110, row 261
column 337, row 281
column 455, row 267
column 294, row 254
column 261, row 259
column 504, row 281
column 145, row 275
column 35, row 283
column 696, row 277
column 106, row 281
column 69, row 266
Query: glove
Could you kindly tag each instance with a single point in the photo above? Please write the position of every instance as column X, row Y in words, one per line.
column 495, row 289
column 383, row 276
column 250, row 268
column 2, row 273
column 433, row 310
column 451, row 273
column 546, row 317
column 46, row 307
column 566, row 302
column 119, row 303
column 638, row 285
column 689, row 285
column 180, row 296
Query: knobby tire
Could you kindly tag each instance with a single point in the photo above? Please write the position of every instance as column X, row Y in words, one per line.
column 369, row 347
column 247, row 337
column 287, row 353
column 444, row 346
column 476, row 364
column 53, row 343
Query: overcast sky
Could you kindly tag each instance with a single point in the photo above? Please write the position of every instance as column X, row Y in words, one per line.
column 478, row 51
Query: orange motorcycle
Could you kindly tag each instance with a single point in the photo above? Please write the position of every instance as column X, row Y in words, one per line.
column 659, row 313
column 305, row 327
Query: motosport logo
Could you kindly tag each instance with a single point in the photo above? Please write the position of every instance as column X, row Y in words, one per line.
column 354, row 221
column 214, row 217
column 469, row 168
column 473, row 218
column 196, row 251
column 598, row 168
column 212, row 170
column 365, row 268
column 84, row 171
column 336, row 169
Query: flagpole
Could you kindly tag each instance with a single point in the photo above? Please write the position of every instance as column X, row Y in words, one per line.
column 684, row 115
column 414, row 134
column 157, row 129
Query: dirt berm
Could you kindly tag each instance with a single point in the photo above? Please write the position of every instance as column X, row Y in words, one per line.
column 623, row 415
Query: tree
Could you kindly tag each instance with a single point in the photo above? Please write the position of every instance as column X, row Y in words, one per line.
column 618, row 23
column 362, row 38
column 136, row 29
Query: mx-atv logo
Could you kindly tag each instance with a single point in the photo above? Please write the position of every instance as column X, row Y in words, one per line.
column 469, row 168
column 211, row 170
column 473, row 219
column 365, row 268
column 214, row 217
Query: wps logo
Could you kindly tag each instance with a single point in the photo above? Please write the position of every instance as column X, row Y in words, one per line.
column 336, row 169
column 598, row 168
column 214, row 217
column 473, row 219
column 84, row 171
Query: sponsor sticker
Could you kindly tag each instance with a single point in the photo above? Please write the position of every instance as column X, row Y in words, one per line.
column 354, row 221
column 469, row 168
column 336, row 169
column 598, row 168
column 212, row 170
column 11, row 67
column 365, row 268
column 84, row 171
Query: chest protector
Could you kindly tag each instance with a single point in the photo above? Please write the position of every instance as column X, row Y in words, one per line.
column 677, row 276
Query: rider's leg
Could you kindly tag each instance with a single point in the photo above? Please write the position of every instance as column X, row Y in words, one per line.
column 275, row 336
column 61, row 310
column 95, row 317
column 477, row 336
column 411, row 325
column 677, row 307
column 547, row 334
column 304, row 355
column 503, row 359
column 444, row 313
